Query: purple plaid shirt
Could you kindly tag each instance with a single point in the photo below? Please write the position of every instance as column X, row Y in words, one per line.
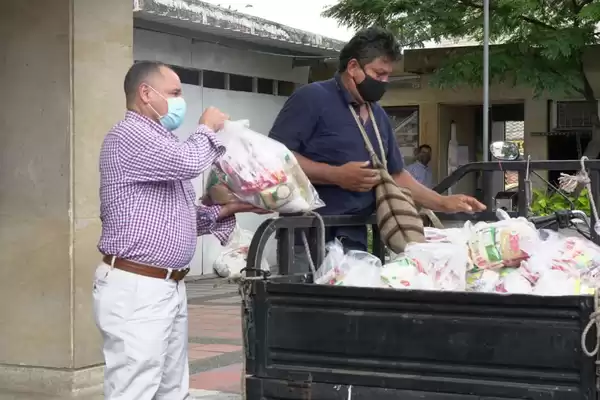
column 147, row 201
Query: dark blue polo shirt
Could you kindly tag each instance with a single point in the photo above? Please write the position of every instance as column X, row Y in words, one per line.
column 316, row 123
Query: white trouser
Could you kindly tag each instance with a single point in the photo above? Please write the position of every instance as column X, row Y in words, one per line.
column 144, row 323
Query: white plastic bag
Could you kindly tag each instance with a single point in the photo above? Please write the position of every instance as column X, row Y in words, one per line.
column 260, row 171
column 564, row 266
column 332, row 270
column 445, row 263
column 405, row 273
column 447, row 235
column 355, row 268
column 501, row 244
column 363, row 269
column 555, row 282
column 482, row 280
column 513, row 282
column 233, row 258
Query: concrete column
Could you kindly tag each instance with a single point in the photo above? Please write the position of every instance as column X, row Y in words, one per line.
column 536, row 120
column 429, row 133
column 62, row 64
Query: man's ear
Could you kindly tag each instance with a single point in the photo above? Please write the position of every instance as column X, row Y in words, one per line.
column 144, row 93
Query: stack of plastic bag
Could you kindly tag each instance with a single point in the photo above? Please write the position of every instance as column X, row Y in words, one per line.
column 434, row 266
column 406, row 273
column 233, row 258
column 509, row 256
column 354, row 268
column 501, row 244
column 555, row 266
column 259, row 171
column 563, row 266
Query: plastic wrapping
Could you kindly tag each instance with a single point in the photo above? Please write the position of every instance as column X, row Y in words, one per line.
column 233, row 258
column 512, row 281
column 482, row 280
column 260, row 171
column 501, row 244
column 449, row 235
column 506, row 257
column 406, row 273
column 563, row 265
column 355, row 268
column 446, row 263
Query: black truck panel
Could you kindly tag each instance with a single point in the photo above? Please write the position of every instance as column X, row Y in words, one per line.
column 313, row 342
column 416, row 344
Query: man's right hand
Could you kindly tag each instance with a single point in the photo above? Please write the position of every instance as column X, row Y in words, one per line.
column 357, row 176
column 213, row 118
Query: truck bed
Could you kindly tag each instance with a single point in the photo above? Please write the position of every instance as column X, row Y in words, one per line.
column 307, row 341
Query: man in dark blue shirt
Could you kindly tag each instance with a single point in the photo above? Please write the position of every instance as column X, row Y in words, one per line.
column 316, row 123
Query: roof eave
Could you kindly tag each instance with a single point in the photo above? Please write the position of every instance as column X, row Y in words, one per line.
column 198, row 16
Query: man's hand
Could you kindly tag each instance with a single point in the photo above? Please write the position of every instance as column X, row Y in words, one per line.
column 357, row 176
column 213, row 118
column 461, row 203
column 229, row 209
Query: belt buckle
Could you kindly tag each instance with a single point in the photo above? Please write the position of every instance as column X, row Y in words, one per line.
column 183, row 273
column 176, row 274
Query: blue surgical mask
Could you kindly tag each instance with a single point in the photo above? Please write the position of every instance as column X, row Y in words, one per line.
column 175, row 114
column 176, row 108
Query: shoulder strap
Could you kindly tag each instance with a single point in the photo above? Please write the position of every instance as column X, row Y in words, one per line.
column 368, row 145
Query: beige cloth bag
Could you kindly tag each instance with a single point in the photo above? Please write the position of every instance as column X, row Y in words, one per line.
column 398, row 220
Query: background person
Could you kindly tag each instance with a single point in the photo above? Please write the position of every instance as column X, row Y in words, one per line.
column 420, row 169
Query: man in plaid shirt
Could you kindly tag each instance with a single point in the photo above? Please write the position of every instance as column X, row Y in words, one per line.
column 150, row 225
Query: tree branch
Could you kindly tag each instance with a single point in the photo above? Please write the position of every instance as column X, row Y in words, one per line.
column 583, row 4
column 525, row 18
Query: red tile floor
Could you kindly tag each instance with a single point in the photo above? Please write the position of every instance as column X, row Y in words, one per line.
column 215, row 345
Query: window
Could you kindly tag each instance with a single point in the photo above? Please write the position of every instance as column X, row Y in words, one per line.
column 241, row 83
column 573, row 115
column 186, row 75
column 405, row 122
column 285, row 88
column 265, row 86
column 213, row 79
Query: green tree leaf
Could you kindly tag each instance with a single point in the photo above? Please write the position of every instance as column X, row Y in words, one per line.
column 541, row 43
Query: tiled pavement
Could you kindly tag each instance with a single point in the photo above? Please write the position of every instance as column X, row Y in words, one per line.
column 215, row 344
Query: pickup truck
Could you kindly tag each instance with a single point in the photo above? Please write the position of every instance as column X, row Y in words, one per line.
column 319, row 342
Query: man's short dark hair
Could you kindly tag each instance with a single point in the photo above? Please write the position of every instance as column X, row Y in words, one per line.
column 424, row 146
column 369, row 44
column 137, row 74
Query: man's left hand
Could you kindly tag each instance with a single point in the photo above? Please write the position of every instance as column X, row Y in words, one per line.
column 461, row 203
column 229, row 209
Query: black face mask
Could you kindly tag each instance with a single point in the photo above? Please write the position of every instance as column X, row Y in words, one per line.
column 370, row 89
column 425, row 158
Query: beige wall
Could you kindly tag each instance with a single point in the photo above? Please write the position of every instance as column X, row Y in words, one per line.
column 464, row 118
column 434, row 111
column 61, row 72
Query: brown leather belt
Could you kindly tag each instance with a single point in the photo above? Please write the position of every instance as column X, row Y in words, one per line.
column 146, row 270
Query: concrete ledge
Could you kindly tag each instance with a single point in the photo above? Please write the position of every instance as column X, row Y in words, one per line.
column 198, row 394
column 32, row 383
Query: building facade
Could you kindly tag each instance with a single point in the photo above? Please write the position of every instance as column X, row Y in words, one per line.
column 550, row 126
column 61, row 67
column 241, row 64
